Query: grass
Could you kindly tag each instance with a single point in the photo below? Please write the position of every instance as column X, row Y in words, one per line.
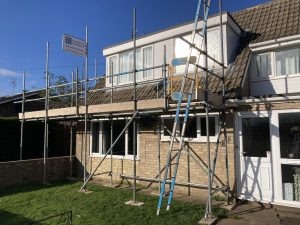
column 23, row 204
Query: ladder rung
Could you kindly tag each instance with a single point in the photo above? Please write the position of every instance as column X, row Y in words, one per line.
column 201, row 19
column 189, row 78
column 204, row 3
column 200, row 34
column 187, row 93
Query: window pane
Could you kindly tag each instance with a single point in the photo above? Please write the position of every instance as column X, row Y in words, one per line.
column 126, row 65
column 167, row 124
column 289, row 131
column 119, row 148
column 106, row 136
column 95, row 137
column 113, row 68
column 191, row 128
column 130, row 139
column 263, row 65
column 288, row 62
column 212, row 126
column 139, row 64
column 256, row 137
column 291, row 182
column 148, row 62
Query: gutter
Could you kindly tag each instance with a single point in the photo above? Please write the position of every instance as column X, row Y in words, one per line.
column 280, row 42
column 264, row 100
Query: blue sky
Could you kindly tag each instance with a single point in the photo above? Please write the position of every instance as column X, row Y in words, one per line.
column 26, row 26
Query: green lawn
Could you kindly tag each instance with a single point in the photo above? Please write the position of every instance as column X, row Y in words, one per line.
column 24, row 204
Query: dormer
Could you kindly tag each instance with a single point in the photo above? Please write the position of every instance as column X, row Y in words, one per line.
column 150, row 50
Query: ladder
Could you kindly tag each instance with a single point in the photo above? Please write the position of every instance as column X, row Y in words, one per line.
column 186, row 93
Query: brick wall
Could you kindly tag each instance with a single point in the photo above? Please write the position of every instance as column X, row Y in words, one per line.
column 147, row 164
column 31, row 171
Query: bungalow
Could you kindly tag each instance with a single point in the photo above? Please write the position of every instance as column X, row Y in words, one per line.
column 262, row 57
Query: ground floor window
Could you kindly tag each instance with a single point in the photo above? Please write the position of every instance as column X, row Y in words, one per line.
column 195, row 129
column 104, row 133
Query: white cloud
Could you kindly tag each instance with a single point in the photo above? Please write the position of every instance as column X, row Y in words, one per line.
column 8, row 73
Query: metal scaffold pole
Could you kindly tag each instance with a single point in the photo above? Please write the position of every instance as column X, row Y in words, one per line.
column 209, row 208
column 111, row 152
column 46, row 114
column 158, row 150
column 86, row 105
column 224, row 101
column 135, row 107
column 23, row 115
column 71, row 149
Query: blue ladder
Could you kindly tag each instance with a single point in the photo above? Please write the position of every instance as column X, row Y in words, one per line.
column 186, row 93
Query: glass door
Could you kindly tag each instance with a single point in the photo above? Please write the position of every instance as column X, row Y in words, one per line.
column 289, row 139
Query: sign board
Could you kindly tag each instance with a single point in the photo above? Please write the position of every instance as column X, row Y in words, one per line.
column 74, row 45
column 182, row 61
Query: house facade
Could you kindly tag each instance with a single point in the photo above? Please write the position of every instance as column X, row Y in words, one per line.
column 262, row 56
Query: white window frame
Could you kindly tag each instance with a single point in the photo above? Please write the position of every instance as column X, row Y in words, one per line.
column 118, row 65
column 100, row 153
column 108, row 83
column 199, row 138
column 142, row 55
column 274, row 74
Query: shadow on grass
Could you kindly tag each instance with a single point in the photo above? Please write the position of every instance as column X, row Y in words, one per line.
column 8, row 218
column 10, row 190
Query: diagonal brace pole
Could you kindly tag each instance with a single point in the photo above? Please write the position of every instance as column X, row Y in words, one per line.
column 109, row 150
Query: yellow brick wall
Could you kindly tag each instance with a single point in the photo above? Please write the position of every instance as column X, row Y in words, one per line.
column 147, row 163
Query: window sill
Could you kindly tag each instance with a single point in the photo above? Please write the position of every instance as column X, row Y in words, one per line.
column 127, row 157
column 193, row 140
column 276, row 77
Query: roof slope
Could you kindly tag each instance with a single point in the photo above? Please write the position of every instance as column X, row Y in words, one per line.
column 269, row 21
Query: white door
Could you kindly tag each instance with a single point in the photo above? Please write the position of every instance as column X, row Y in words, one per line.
column 254, row 179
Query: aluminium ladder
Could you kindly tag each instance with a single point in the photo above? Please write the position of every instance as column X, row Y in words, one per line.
column 186, row 92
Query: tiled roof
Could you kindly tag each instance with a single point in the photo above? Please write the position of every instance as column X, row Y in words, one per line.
column 124, row 94
column 269, row 21
column 272, row 20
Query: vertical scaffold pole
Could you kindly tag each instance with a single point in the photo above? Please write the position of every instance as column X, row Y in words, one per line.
column 23, row 116
column 135, row 107
column 71, row 149
column 46, row 114
column 224, row 99
column 209, row 208
column 86, row 105
column 72, row 89
column 77, row 95
column 158, row 150
column 165, row 79
column 96, row 71
column 111, row 152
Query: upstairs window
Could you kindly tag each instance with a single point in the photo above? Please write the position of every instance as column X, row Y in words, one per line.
column 276, row 64
column 123, row 63
column 263, row 65
column 288, row 62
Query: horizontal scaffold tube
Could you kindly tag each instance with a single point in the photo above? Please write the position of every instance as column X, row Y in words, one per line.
column 184, row 184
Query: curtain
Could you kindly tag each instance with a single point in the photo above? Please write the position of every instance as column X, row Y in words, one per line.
column 125, row 66
column 147, row 62
column 263, row 65
column 113, row 69
column 288, row 62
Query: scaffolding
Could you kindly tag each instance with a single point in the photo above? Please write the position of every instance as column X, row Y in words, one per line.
column 214, row 184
